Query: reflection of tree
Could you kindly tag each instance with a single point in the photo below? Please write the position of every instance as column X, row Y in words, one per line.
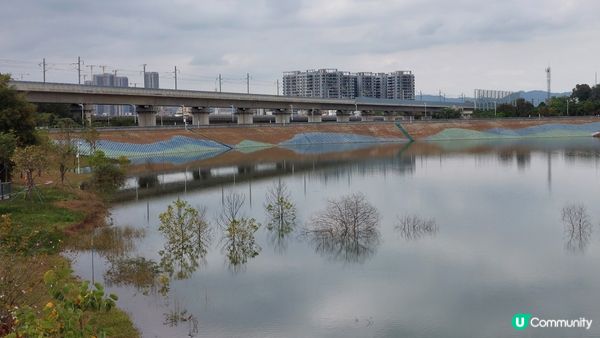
column 281, row 213
column 578, row 227
column 141, row 273
column 177, row 316
column 108, row 241
column 187, row 236
column 238, row 239
column 348, row 229
column 413, row 227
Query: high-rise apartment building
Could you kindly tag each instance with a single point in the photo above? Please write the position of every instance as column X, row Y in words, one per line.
column 331, row 83
column 111, row 80
column 151, row 80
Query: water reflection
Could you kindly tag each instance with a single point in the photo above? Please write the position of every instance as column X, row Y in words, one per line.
column 108, row 242
column 187, row 237
column 347, row 230
column 238, row 241
column 178, row 316
column 414, row 227
column 138, row 272
column 281, row 214
column 578, row 227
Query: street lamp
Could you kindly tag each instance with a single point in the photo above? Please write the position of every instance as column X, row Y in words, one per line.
column 567, row 107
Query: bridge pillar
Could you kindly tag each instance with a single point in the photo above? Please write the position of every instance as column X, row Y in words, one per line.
column 314, row 115
column 85, row 112
column 146, row 116
column 244, row 115
column 343, row 115
column 282, row 116
column 200, row 116
column 366, row 115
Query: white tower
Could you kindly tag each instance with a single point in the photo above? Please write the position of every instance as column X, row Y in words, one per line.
column 548, row 79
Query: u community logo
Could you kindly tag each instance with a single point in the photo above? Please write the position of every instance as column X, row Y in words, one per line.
column 520, row 321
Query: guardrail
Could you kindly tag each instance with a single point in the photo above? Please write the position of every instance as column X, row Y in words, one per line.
column 5, row 190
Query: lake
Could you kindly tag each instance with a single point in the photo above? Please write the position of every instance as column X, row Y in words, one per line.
column 452, row 239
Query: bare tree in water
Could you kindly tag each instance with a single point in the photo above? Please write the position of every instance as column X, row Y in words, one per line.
column 281, row 214
column 413, row 227
column 238, row 242
column 578, row 227
column 347, row 229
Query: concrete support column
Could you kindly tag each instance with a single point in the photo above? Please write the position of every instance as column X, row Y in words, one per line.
column 146, row 116
column 244, row 115
column 366, row 115
column 343, row 115
column 282, row 116
column 200, row 116
column 83, row 112
column 314, row 115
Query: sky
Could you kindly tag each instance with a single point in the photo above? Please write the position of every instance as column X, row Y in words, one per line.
column 452, row 47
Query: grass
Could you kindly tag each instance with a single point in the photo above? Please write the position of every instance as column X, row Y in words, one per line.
column 49, row 222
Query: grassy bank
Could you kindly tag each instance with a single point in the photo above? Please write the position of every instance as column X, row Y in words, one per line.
column 41, row 227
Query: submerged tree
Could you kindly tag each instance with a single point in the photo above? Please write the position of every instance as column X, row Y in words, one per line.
column 347, row 229
column 578, row 227
column 238, row 242
column 413, row 227
column 281, row 214
column 187, row 235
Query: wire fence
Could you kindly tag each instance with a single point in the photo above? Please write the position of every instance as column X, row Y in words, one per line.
column 5, row 190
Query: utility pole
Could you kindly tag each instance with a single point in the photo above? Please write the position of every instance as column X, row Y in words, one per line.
column 420, row 95
column 175, row 72
column 44, row 69
column 91, row 72
column 248, row 83
column 144, row 73
column 596, row 79
column 79, row 69
column 220, row 81
column 277, row 87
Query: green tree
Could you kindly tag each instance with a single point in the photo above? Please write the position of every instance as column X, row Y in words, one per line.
column 64, row 149
column 239, row 243
column 107, row 176
column 524, row 108
column 581, row 92
column 29, row 160
column 8, row 144
column 595, row 93
column 91, row 136
column 16, row 114
column 281, row 214
column 187, row 235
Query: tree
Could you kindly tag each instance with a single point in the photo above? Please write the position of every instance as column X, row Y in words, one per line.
column 578, row 227
column 188, row 236
column 238, row 240
column 595, row 93
column 523, row 108
column 29, row 160
column 581, row 92
column 107, row 176
column 64, row 149
column 347, row 229
column 281, row 213
column 8, row 144
column 91, row 136
column 413, row 227
column 16, row 114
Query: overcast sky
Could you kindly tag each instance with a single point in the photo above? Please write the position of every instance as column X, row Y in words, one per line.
column 452, row 46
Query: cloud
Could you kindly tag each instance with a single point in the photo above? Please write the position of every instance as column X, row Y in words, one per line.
column 267, row 37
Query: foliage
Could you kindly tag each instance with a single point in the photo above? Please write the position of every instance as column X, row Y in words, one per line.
column 16, row 114
column 91, row 136
column 64, row 150
column 413, row 227
column 281, row 213
column 107, row 176
column 69, row 311
column 187, row 235
column 29, row 160
column 238, row 240
column 8, row 144
column 446, row 113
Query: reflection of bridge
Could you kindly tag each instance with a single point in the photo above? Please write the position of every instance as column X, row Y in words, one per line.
column 200, row 102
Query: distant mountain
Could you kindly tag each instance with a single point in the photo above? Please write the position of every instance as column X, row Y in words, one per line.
column 535, row 96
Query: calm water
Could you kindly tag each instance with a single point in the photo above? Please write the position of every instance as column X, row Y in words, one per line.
column 486, row 241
